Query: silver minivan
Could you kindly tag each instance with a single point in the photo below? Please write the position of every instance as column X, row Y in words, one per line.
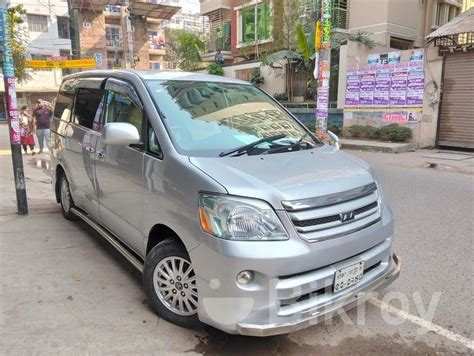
column 237, row 216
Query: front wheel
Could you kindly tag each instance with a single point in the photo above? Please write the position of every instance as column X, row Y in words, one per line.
column 170, row 284
column 65, row 198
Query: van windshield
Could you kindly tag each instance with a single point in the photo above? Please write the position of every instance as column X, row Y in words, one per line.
column 215, row 119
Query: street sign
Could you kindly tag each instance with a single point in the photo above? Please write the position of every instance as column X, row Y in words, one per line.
column 70, row 63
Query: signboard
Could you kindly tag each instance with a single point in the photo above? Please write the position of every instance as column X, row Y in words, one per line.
column 352, row 88
column 71, row 63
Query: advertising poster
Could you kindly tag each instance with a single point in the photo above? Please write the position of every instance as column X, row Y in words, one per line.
column 382, row 87
column 367, row 87
column 398, row 87
column 394, row 57
column 415, row 84
column 395, row 117
column 352, row 88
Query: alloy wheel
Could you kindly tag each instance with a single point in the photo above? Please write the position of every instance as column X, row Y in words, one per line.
column 175, row 285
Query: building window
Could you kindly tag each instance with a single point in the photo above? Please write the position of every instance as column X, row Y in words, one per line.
column 37, row 23
column 113, row 36
column 113, row 9
column 155, row 65
column 157, row 39
column 255, row 23
column 63, row 27
column 453, row 12
column 400, row 43
column 437, row 19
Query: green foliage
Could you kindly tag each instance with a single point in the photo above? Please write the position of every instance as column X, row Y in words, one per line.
column 189, row 50
column 335, row 129
column 281, row 97
column 361, row 37
column 392, row 132
column 215, row 69
column 172, row 44
column 19, row 43
column 256, row 78
column 302, row 44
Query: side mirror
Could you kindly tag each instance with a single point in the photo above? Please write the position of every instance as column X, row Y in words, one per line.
column 120, row 133
column 335, row 139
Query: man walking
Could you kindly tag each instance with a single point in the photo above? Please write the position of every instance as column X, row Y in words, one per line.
column 42, row 117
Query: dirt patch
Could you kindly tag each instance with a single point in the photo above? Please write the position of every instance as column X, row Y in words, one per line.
column 219, row 343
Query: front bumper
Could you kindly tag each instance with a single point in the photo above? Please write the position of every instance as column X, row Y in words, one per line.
column 315, row 316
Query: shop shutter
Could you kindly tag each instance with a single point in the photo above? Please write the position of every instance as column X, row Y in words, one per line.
column 456, row 127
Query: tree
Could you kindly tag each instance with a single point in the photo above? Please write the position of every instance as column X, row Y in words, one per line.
column 19, row 38
column 172, row 44
column 189, row 50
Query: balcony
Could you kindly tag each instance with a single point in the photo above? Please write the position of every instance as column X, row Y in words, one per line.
column 156, row 49
column 149, row 10
column 94, row 5
column 113, row 11
column 208, row 6
column 114, row 43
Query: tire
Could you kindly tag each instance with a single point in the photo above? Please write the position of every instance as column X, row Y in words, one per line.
column 65, row 199
column 172, row 297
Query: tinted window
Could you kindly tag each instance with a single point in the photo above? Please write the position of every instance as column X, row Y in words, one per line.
column 88, row 108
column 120, row 108
column 63, row 106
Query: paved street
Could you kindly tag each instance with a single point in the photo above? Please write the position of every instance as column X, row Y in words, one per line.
column 64, row 290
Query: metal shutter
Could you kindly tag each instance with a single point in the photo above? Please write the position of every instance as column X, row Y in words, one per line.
column 456, row 127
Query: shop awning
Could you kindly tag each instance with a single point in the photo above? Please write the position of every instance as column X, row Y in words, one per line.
column 464, row 23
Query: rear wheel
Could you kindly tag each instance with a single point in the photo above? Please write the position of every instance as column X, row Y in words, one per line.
column 170, row 284
column 65, row 198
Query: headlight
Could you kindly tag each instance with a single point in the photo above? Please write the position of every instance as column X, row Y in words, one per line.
column 380, row 198
column 235, row 218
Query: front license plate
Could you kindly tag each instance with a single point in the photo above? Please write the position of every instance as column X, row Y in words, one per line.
column 348, row 276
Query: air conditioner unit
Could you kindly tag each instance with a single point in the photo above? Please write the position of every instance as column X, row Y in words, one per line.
column 86, row 24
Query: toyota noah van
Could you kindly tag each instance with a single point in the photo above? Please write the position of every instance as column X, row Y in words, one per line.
column 237, row 216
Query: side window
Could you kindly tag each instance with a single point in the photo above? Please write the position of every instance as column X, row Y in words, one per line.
column 153, row 145
column 64, row 101
column 88, row 108
column 120, row 108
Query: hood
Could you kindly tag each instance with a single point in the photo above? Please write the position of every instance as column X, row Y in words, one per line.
column 287, row 176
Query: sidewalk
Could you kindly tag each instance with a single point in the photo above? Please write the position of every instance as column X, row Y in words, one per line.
column 442, row 160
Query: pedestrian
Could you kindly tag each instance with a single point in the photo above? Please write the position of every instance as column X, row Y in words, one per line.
column 27, row 130
column 219, row 57
column 42, row 116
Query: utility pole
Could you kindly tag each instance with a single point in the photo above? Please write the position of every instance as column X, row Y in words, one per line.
column 129, row 35
column 12, row 109
column 73, row 34
column 324, row 65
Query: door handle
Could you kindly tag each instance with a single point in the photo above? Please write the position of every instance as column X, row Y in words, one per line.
column 101, row 154
column 90, row 149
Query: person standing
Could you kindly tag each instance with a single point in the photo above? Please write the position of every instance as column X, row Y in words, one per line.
column 42, row 121
column 219, row 57
column 27, row 130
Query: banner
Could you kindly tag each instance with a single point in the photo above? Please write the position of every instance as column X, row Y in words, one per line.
column 70, row 63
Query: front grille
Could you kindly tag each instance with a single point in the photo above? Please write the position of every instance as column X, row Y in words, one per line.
column 332, row 218
column 325, row 221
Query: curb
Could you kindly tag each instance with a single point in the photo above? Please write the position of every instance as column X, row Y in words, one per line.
column 396, row 148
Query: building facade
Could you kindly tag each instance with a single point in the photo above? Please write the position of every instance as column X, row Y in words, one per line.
column 103, row 33
column 47, row 27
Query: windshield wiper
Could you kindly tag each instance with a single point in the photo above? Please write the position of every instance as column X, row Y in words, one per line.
column 248, row 147
column 285, row 148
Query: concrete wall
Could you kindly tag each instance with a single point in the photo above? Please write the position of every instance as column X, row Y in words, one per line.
column 424, row 131
column 274, row 78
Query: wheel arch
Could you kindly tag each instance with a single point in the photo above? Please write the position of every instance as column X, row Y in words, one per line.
column 159, row 233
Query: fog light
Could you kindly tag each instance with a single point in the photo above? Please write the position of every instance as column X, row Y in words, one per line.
column 245, row 277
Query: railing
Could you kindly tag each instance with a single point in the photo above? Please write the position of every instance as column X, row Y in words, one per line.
column 116, row 43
